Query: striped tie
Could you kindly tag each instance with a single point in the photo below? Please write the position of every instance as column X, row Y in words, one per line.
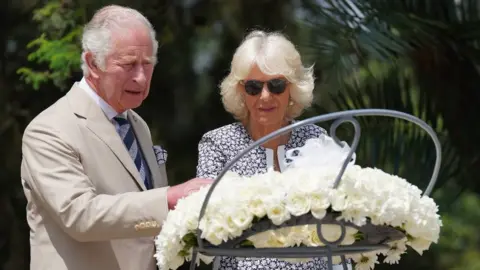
column 125, row 131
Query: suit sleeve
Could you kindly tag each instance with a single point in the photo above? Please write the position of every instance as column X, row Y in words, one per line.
column 53, row 171
column 211, row 159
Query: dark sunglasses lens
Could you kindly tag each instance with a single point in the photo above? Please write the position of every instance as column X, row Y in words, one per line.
column 277, row 86
column 253, row 87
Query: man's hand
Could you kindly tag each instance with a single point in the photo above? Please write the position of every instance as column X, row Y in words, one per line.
column 177, row 192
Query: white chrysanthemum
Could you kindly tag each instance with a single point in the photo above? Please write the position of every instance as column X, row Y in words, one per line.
column 397, row 248
column 365, row 261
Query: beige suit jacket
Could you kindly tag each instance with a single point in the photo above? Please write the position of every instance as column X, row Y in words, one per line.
column 88, row 208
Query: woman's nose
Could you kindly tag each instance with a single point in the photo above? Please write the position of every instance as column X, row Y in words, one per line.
column 265, row 94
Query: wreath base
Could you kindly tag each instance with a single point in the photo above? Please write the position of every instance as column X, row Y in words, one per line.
column 375, row 237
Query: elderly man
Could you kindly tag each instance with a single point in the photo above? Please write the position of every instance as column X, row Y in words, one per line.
column 96, row 194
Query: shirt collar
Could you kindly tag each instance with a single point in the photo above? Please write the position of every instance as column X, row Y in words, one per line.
column 106, row 108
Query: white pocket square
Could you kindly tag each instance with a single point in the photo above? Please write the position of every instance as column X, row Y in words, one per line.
column 160, row 154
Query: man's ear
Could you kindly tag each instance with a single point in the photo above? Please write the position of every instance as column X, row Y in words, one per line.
column 94, row 70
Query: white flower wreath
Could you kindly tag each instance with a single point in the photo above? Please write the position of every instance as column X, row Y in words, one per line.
column 305, row 187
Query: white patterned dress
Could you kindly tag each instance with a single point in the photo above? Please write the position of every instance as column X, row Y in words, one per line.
column 221, row 145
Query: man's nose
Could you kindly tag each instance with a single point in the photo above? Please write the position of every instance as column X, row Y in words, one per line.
column 139, row 76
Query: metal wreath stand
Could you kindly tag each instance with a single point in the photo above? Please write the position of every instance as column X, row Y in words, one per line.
column 375, row 237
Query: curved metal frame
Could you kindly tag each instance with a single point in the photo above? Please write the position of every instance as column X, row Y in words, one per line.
column 331, row 248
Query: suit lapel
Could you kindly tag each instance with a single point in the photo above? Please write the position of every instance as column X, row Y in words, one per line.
column 147, row 149
column 97, row 122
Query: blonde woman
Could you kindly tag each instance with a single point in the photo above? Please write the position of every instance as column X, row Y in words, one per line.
column 267, row 88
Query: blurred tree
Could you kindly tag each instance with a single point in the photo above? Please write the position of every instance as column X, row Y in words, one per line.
column 460, row 242
column 57, row 48
column 418, row 57
column 409, row 56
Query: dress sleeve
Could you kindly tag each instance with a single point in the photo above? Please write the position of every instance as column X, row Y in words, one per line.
column 211, row 158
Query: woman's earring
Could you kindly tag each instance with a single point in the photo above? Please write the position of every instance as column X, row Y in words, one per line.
column 291, row 103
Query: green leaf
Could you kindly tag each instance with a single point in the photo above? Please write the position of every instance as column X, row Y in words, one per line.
column 190, row 240
column 246, row 243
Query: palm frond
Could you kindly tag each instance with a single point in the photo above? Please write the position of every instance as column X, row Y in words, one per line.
column 394, row 145
column 400, row 55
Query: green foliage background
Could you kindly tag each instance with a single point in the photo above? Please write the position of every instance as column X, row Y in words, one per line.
column 416, row 56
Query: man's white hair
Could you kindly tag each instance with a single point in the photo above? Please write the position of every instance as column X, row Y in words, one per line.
column 274, row 54
column 97, row 34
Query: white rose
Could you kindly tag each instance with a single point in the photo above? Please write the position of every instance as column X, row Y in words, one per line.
column 260, row 240
column 277, row 240
column 215, row 233
column 356, row 216
column 175, row 262
column 297, row 203
column 232, row 228
column 331, row 232
column 319, row 200
column 296, row 235
column 311, row 239
column 338, row 200
column 319, row 213
column 257, row 207
column 242, row 218
column 419, row 244
column 277, row 212
column 269, row 239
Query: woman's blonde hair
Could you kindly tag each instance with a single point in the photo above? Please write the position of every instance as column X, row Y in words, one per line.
column 274, row 54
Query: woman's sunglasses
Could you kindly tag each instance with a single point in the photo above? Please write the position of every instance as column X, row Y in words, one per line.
column 275, row 86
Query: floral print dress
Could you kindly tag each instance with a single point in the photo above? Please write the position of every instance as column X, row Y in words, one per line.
column 221, row 145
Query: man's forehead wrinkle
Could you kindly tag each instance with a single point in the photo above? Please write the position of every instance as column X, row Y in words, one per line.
column 133, row 55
